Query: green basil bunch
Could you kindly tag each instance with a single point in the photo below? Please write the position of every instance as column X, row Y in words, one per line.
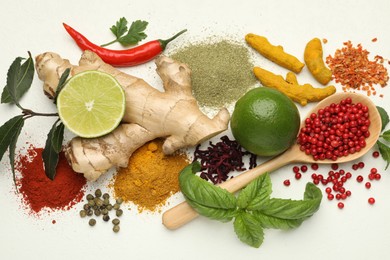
column 253, row 209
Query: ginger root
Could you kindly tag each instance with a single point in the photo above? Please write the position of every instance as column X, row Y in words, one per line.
column 313, row 57
column 150, row 113
column 274, row 53
column 301, row 94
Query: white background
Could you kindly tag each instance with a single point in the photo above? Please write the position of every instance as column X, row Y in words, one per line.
column 359, row 231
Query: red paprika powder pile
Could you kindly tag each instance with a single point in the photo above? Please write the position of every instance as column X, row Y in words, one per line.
column 39, row 192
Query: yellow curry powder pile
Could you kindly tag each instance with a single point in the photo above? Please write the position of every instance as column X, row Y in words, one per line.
column 150, row 178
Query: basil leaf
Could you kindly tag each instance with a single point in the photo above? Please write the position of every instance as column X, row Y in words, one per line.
column 19, row 79
column 385, row 152
column 384, row 117
column 206, row 198
column 248, row 229
column 223, row 215
column 50, row 154
column 8, row 131
column 277, row 223
column 61, row 83
column 386, row 135
column 253, row 195
column 294, row 209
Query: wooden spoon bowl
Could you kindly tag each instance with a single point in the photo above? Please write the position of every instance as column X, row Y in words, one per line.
column 183, row 213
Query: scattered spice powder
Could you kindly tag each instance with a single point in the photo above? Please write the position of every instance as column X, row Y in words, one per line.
column 351, row 67
column 39, row 192
column 219, row 159
column 150, row 178
column 221, row 71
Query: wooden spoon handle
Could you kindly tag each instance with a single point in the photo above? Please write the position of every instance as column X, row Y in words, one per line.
column 183, row 213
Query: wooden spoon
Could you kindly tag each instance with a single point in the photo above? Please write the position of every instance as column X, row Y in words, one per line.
column 183, row 213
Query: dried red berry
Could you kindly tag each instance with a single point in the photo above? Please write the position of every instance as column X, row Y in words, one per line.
column 371, row 201
column 286, row 183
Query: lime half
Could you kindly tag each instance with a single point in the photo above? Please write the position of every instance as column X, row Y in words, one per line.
column 91, row 104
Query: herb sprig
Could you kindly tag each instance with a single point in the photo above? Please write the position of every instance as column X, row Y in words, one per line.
column 383, row 146
column 19, row 79
column 253, row 210
column 128, row 36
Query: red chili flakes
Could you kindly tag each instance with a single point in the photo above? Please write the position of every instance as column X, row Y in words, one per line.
column 324, row 40
column 351, row 68
column 374, row 39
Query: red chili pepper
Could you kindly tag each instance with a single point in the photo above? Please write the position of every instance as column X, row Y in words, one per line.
column 122, row 58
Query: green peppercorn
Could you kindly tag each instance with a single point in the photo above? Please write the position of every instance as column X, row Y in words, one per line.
column 86, row 207
column 91, row 203
column 95, row 207
column 106, row 218
column 89, row 212
column 83, row 213
column 98, row 193
column 109, row 207
column 97, row 212
column 92, row 222
column 98, row 202
column 116, row 228
column 119, row 212
column 104, row 211
column 117, row 206
column 90, row 197
column 119, row 200
column 116, row 221
column 106, row 202
column 106, row 196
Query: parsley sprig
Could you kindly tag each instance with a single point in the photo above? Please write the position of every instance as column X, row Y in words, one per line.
column 128, row 36
column 384, row 138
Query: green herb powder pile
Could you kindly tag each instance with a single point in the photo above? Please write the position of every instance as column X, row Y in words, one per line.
column 221, row 71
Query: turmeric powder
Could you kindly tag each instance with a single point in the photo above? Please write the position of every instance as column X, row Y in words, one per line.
column 274, row 53
column 313, row 57
column 290, row 87
column 150, row 178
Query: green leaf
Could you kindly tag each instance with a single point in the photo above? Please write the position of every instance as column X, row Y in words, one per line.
column 135, row 33
column 119, row 28
column 385, row 152
column 249, row 229
column 50, row 154
column 294, row 209
column 386, row 135
column 384, row 117
column 19, row 79
column 12, row 147
column 61, row 83
column 277, row 223
column 255, row 193
column 208, row 200
column 8, row 131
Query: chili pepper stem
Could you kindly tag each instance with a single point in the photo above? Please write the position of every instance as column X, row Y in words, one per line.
column 164, row 43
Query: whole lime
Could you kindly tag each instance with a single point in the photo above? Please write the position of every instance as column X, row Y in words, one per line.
column 265, row 121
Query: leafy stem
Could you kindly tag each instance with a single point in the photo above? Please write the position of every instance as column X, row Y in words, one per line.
column 19, row 79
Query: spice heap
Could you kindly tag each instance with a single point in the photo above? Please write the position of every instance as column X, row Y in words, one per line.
column 100, row 205
column 351, row 67
column 335, row 131
column 219, row 159
column 39, row 192
column 221, row 71
column 150, row 178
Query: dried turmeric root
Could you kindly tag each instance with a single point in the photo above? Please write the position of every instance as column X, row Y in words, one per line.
column 314, row 61
column 172, row 114
column 274, row 53
column 301, row 94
